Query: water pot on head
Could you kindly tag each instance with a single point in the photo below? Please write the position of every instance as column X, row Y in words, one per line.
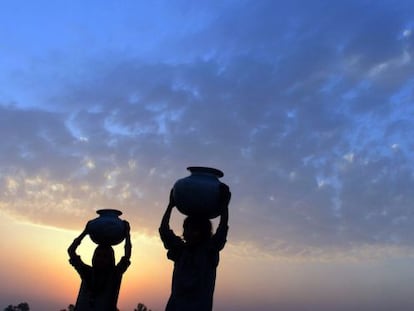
column 199, row 193
column 108, row 228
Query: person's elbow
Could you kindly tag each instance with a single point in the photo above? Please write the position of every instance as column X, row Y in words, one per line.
column 71, row 253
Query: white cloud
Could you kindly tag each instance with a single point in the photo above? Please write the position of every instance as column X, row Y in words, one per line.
column 127, row 128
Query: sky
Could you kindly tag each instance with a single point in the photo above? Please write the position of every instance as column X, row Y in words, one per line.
column 306, row 106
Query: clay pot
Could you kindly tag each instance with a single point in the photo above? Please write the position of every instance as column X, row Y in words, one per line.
column 108, row 228
column 199, row 193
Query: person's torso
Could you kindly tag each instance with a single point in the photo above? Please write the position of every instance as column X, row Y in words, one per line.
column 99, row 293
column 195, row 274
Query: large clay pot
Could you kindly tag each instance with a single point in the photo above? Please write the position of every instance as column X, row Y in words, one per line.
column 199, row 193
column 108, row 228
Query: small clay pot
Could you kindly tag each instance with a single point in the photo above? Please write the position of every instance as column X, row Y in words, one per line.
column 108, row 228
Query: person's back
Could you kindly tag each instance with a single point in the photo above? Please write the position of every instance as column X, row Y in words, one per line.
column 195, row 260
column 99, row 287
column 194, row 276
column 100, row 283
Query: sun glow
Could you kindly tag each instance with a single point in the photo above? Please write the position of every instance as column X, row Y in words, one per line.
column 34, row 259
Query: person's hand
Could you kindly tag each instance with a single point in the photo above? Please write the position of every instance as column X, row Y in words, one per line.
column 86, row 230
column 127, row 228
column 171, row 202
column 225, row 195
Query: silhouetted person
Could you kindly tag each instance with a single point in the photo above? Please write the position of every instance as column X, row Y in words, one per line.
column 195, row 257
column 100, row 283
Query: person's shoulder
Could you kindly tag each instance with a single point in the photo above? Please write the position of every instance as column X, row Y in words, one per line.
column 170, row 239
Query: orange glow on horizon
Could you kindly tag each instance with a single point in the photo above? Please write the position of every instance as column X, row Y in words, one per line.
column 34, row 260
column 34, row 263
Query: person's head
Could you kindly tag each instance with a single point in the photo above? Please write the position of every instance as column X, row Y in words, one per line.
column 196, row 229
column 103, row 257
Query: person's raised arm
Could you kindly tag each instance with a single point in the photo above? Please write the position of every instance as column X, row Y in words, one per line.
column 128, row 245
column 225, row 196
column 124, row 263
column 76, row 242
column 165, row 221
column 220, row 237
column 168, row 237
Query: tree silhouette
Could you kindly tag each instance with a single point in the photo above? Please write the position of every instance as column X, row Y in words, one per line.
column 142, row 307
column 23, row 306
column 71, row 307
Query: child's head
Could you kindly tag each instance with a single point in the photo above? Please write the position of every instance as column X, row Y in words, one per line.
column 197, row 229
column 103, row 257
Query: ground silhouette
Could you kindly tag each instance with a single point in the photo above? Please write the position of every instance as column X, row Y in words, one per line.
column 24, row 306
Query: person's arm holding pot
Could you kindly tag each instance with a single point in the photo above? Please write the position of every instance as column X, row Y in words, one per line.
column 125, row 260
column 220, row 237
column 165, row 221
column 76, row 242
column 128, row 245
column 169, row 239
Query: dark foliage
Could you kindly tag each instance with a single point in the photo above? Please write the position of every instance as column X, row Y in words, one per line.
column 142, row 307
column 23, row 306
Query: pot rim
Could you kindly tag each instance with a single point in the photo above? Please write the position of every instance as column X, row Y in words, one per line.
column 111, row 210
column 205, row 169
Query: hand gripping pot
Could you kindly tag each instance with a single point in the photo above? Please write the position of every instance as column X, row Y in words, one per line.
column 199, row 193
column 108, row 228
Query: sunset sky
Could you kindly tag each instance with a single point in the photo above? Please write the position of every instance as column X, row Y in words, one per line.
column 306, row 106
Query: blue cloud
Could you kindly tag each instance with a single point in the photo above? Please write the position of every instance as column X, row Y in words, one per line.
column 307, row 113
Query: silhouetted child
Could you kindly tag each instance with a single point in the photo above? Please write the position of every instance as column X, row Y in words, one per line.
column 100, row 283
column 195, row 257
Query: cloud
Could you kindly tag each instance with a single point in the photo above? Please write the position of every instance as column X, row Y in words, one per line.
column 303, row 114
